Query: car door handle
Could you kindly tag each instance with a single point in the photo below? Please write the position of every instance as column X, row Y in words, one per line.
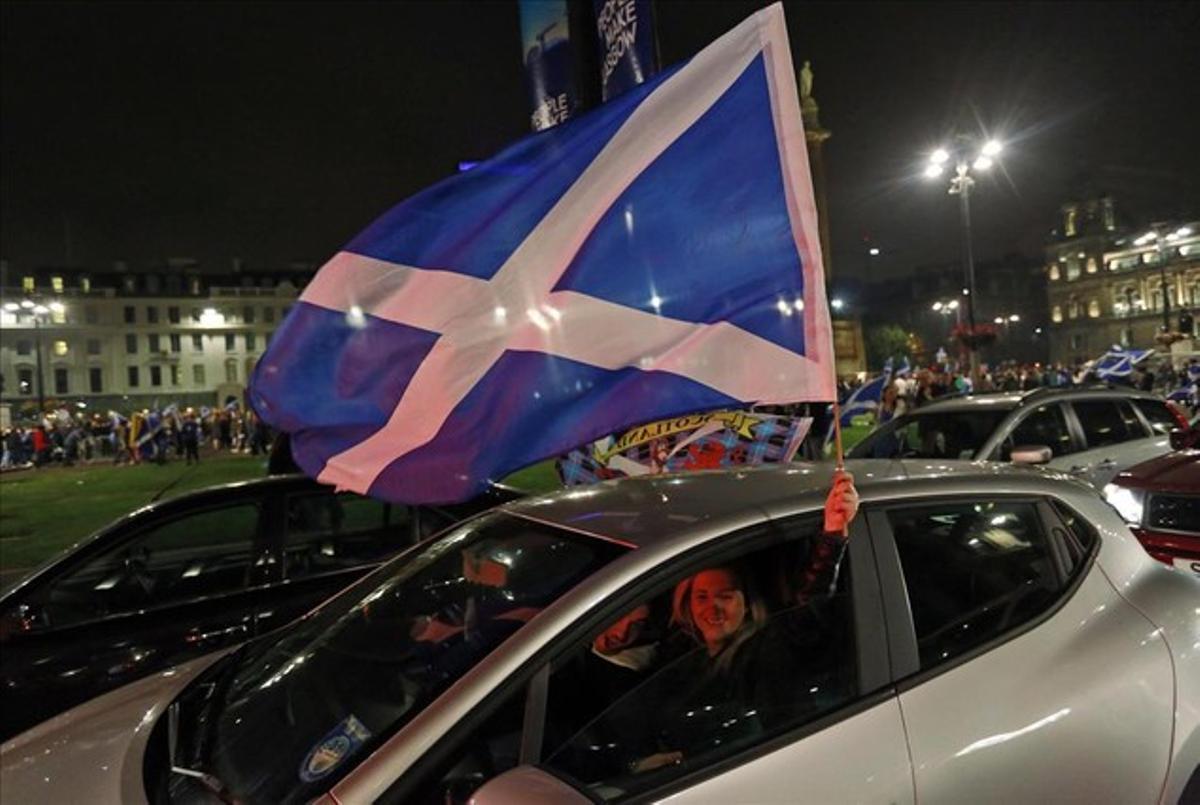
column 1108, row 462
column 1078, row 469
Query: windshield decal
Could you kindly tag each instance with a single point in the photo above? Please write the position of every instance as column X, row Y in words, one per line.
column 340, row 743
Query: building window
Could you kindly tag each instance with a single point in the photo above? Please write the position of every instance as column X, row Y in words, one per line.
column 60, row 348
column 251, row 342
column 174, row 374
column 130, row 314
column 1094, row 308
column 176, row 342
column 85, row 284
column 1073, row 309
column 198, row 374
column 194, row 286
column 58, row 314
column 151, row 314
column 133, row 376
column 130, row 344
column 268, row 314
column 130, row 284
column 248, row 314
column 25, row 381
column 27, row 284
column 231, row 371
column 197, row 342
column 196, row 315
column 24, row 347
column 96, row 380
column 173, row 314
column 1072, row 268
column 1091, row 265
column 1054, row 272
column 60, row 381
column 90, row 315
column 230, row 342
column 154, row 345
column 56, row 284
column 93, row 346
column 152, row 283
column 155, row 375
column 1078, row 341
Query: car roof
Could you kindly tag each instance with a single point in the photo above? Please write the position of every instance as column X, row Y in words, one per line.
column 649, row 509
column 1007, row 400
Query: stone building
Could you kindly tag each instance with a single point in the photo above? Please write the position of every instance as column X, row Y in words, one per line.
column 122, row 339
column 1105, row 280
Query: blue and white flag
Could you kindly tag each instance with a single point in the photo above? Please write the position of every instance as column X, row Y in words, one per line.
column 865, row 399
column 654, row 257
column 1119, row 363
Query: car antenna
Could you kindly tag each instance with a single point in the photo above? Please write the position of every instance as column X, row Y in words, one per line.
column 169, row 486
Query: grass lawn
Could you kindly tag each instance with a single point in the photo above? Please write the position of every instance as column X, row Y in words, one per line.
column 43, row 512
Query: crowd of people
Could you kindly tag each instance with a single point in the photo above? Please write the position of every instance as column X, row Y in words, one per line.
column 135, row 437
column 910, row 389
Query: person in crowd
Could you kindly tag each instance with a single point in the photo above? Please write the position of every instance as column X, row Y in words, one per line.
column 189, row 435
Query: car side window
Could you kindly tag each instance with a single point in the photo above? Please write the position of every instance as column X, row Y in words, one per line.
column 1079, row 536
column 201, row 554
column 972, row 570
column 1102, row 422
column 1161, row 420
column 706, row 665
column 1045, row 425
column 1134, row 429
column 327, row 532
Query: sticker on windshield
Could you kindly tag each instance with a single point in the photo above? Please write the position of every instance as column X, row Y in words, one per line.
column 335, row 747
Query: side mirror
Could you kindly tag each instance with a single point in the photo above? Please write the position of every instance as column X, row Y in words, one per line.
column 1179, row 438
column 1031, row 454
column 527, row 785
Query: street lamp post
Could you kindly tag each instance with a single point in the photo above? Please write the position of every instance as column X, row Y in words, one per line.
column 1157, row 233
column 36, row 311
column 960, row 185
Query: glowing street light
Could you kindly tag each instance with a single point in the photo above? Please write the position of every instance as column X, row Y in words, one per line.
column 837, row 304
column 966, row 155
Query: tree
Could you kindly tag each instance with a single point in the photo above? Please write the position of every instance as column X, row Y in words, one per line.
column 885, row 341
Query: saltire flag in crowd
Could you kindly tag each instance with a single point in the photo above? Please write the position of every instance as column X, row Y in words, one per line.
column 866, row 398
column 705, row 441
column 654, row 257
column 1119, row 363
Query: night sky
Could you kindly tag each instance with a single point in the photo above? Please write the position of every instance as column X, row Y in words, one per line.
column 276, row 132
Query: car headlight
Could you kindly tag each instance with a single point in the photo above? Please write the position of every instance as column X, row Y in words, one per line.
column 1128, row 502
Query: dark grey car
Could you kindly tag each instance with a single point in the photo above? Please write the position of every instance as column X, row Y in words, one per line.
column 185, row 576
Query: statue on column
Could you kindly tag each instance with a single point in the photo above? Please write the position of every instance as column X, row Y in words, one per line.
column 806, row 79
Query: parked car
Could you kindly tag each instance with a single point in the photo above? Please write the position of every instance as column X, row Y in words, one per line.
column 1091, row 432
column 1160, row 499
column 993, row 633
column 182, row 577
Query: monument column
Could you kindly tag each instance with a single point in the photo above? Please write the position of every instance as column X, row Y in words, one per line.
column 849, row 349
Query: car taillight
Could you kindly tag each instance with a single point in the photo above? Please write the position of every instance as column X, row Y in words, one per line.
column 1180, row 417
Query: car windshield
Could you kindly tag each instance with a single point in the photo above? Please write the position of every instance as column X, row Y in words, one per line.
column 281, row 720
column 932, row 434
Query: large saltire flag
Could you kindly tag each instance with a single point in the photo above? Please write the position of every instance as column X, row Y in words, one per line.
column 654, row 257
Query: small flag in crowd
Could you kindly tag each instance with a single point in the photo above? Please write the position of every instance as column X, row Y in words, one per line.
column 654, row 257
column 1119, row 363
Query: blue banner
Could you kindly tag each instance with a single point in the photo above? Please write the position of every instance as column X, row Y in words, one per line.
column 549, row 62
column 625, row 38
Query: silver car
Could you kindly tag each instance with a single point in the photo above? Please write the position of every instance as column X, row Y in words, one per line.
column 1091, row 432
column 990, row 633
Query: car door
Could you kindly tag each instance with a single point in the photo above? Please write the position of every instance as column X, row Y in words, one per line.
column 177, row 584
column 1045, row 425
column 1114, row 438
column 1024, row 673
column 806, row 712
